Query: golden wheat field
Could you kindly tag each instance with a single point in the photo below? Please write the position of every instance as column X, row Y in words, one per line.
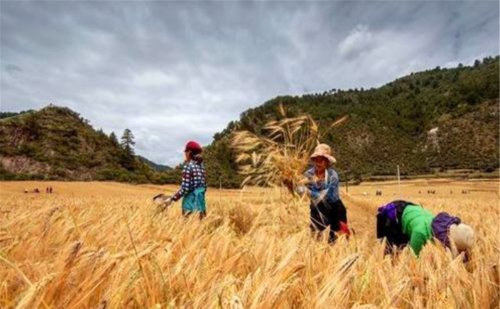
column 100, row 245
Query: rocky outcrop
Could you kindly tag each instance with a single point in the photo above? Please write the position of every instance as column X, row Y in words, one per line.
column 24, row 165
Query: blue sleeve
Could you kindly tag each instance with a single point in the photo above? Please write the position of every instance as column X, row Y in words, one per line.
column 313, row 191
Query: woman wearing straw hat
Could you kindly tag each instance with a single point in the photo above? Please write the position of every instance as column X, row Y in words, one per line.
column 403, row 223
column 327, row 210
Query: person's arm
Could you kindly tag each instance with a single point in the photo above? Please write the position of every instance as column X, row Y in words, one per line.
column 304, row 189
column 417, row 241
column 186, row 180
column 312, row 191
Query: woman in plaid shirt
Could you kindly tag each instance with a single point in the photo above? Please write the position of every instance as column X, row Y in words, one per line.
column 193, row 186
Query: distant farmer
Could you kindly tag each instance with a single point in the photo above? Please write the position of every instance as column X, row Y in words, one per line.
column 403, row 223
column 193, row 185
column 326, row 208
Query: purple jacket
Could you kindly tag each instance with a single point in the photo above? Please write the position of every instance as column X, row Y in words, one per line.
column 441, row 226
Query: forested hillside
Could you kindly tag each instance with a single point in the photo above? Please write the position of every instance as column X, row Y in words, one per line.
column 429, row 121
column 56, row 143
column 440, row 119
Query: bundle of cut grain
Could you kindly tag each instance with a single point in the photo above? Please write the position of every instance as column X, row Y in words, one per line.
column 281, row 156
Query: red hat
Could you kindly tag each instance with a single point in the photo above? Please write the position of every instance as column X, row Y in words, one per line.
column 192, row 145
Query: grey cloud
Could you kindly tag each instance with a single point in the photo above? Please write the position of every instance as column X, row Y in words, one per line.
column 13, row 69
column 174, row 71
column 359, row 41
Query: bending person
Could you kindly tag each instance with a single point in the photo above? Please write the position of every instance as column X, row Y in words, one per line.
column 404, row 223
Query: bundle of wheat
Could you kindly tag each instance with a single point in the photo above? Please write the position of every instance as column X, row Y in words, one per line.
column 281, row 156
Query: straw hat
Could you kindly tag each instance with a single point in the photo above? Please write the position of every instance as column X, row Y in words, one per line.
column 461, row 238
column 323, row 150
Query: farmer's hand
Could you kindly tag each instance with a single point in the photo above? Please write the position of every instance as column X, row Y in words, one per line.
column 168, row 202
column 163, row 200
column 301, row 190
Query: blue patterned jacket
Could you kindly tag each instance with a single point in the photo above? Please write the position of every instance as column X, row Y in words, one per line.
column 321, row 188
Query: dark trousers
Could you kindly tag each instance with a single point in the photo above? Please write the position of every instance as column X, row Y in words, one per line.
column 327, row 214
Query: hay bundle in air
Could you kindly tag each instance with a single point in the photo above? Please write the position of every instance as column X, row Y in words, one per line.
column 281, row 155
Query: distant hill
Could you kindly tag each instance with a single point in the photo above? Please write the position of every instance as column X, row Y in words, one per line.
column 155, row 166
column 56, row 143
column 430, row 121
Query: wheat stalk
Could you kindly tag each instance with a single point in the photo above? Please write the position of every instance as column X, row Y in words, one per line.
column 281, row 155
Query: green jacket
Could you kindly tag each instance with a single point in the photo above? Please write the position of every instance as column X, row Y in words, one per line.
column 417, row 224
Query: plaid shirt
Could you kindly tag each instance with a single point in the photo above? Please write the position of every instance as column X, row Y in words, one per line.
column 193, row 177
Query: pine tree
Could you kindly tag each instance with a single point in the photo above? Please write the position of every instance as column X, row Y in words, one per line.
column 127, row 141
column 113, row 138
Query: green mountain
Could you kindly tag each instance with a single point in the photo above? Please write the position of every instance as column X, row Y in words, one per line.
column 155, row 166
column 437, row 120
column 56, row 143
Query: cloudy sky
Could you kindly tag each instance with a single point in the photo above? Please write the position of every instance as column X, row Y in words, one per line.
column 176, row 71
